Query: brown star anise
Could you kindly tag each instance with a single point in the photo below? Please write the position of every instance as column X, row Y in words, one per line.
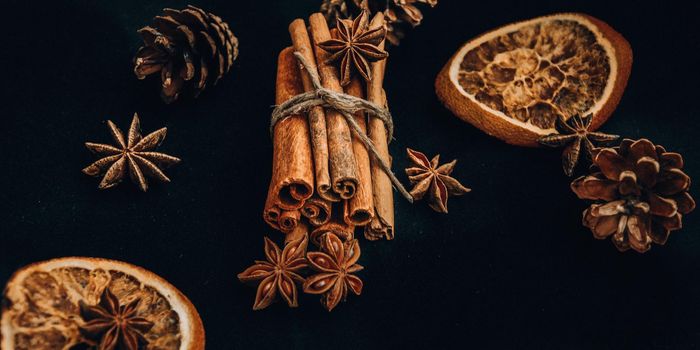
column 427, row 177
column 571, row 133
column 135, row 153
column 399, row 13
column 278, row 273
column 356, row 46
column 111, row 326
column 336, row 264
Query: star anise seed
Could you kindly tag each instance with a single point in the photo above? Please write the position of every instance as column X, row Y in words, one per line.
column 111, row 325
column 427, row 177
column 134, row 155
column 356, row 46
column 570, row 134
column 336, row 264
column 278, row 274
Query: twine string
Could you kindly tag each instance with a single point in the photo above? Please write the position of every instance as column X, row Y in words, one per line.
column 347, row 105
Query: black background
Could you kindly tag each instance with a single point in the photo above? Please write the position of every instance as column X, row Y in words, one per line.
column 509, row 267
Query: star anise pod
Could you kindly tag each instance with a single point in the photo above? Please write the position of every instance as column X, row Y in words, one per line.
column 427, row 177
column 336, row 263
column 356, row 46
column 134, row 155
column 571, row 133
column 113, row 326
column 278, row 274
column 399, row 14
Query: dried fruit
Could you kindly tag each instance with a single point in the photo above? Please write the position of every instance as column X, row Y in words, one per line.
column 189, row 48
column 399, row 13
column 356, row 46
column 641, row 194
column 336, row 265
column 515, row 82
column 134, row 155
column 279, row 274
column 435, row 181
column 570, row 134
column 42, row 308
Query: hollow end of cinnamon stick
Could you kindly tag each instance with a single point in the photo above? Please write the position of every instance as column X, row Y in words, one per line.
column 317, row 211
column 346, row 188
column 289, row 220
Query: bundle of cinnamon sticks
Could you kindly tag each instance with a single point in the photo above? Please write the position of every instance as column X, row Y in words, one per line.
column 323, row 178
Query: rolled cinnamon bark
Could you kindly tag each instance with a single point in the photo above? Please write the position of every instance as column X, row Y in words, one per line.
column 317, row 210
column 292, row 166
column 336, row 225
column 289, row 220
column 298, row 233
column 359, row 210
column 316, row 116
column 343, row 167
column 382, row 225
column 272, row 212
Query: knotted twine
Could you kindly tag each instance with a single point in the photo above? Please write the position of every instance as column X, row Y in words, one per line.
column 347, row 105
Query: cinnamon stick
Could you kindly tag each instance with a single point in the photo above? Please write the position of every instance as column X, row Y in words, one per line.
column 317, row 210
column 359, row 210
column 343, row 167
column 336, row 225
column 271, row 213
column 316, row 116
column 289, row 220
column 298, row 233
column 382, row 225
column 292, row 165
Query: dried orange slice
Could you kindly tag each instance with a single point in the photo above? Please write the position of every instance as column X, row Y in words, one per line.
column 514, row 82
column 41, row 309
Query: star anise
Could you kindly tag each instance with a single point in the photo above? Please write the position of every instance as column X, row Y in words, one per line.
column 336, row 263
column 135, row 155
column 427, row 177
column 571, row 133
column 278, row 273
column 112, row 326
column 356, row 46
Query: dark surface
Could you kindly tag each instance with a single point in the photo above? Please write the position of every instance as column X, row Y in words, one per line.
column 509, row 267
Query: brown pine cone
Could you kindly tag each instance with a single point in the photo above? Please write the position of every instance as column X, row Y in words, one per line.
column 398, row 13
column 641, row 193
column 190, row 48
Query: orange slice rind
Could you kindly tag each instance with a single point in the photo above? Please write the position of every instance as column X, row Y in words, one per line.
column 40, row 308
column 515, row 81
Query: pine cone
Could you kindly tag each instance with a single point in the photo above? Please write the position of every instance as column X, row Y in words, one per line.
column 398, row 13
column 190, row 48
column 641, row 193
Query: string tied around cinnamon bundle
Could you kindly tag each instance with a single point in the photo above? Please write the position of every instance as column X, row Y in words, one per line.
column 347, row 105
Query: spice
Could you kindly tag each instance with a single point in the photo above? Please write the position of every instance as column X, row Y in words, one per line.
column 400, row 14
column 342, row 164
column 570, row 134
column 355, row 46
column 382, row 224
column 641, row 194
column 133, row 155
column 279, row 274
column 435, row 181
column 112, row 325
column 336, row 265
